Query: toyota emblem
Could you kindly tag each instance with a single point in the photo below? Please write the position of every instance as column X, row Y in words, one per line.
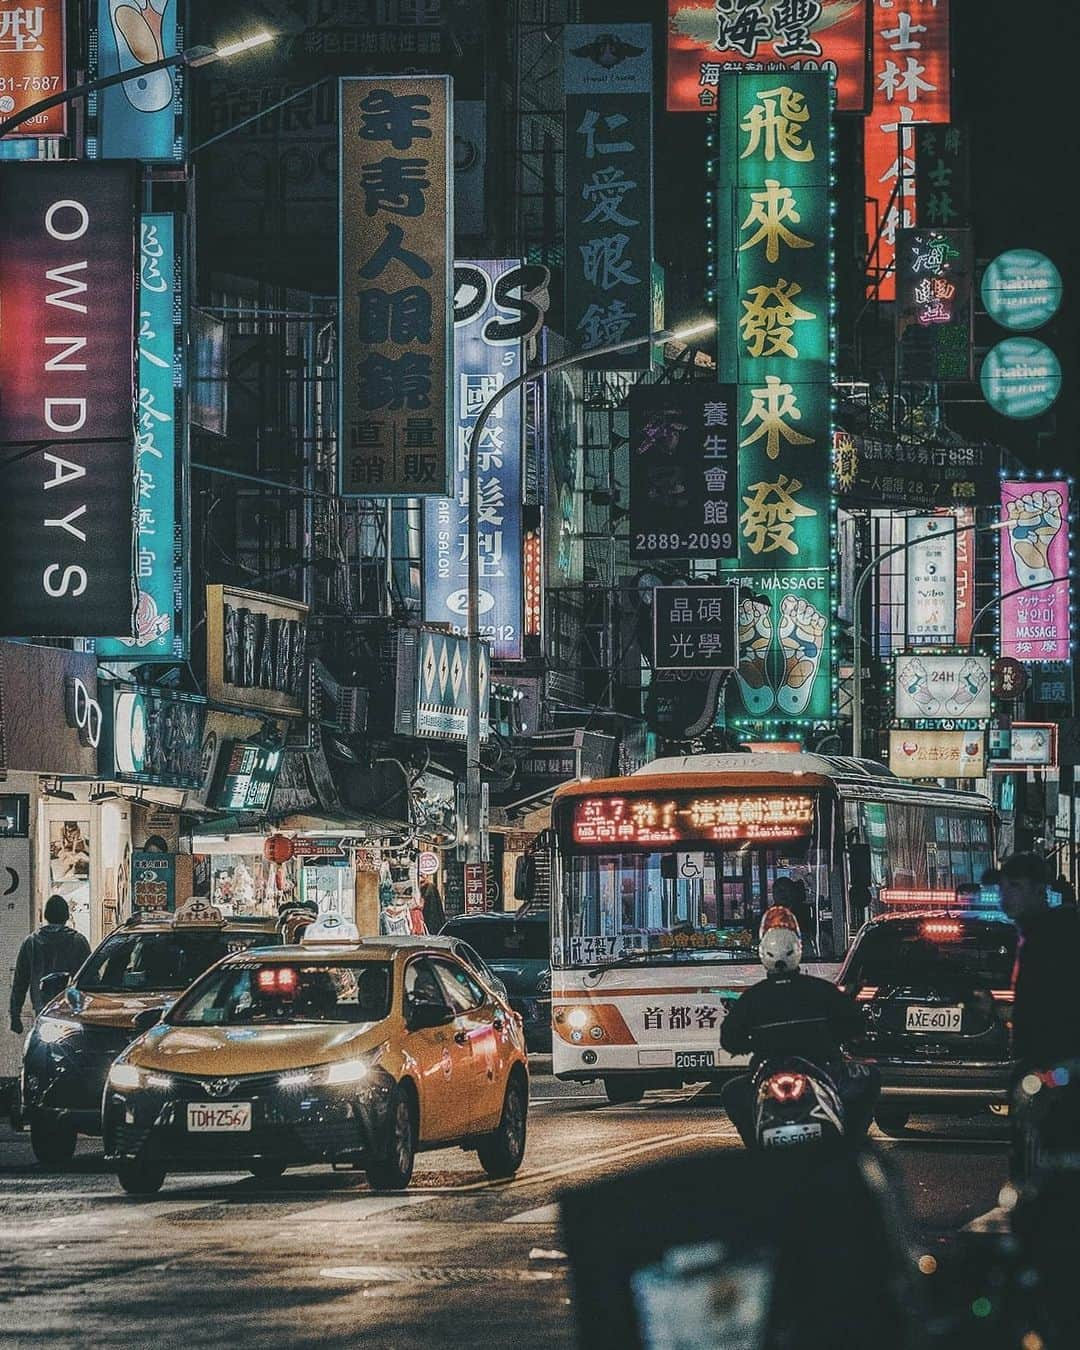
column 220, row 1087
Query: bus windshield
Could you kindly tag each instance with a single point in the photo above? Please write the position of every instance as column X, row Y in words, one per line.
column 687, row 874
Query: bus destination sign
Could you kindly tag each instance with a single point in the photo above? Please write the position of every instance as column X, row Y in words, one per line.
column 691, row 817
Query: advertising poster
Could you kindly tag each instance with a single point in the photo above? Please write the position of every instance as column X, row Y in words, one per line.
column 1020, row 378
column 931, row 580
column 785, row 646
column 911, row 83
column 485, row 359
column 69, row 867
column 684, row 471
column 937, row 754
column 609, row 189
column 1021, row 289
column 1035, row 565
column 396, row 284
column 143, row 118
column 33, row 64
column 159, row 563
column 940, row 688
column 255, row 651
column 67, row 277
column 881, row 470
column 708, row 38
column 153, row 881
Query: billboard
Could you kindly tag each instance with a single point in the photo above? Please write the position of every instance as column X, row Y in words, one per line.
column 143, row 118
column 396, row 283
column 1020, row 378
column 785, row 646
column 609, row 189
column 684, row 471
column 708, row 38
column 939, row 688
column 910, row 63
column 931, row 580
column 1021, row 289
column 933, row 303
column 1035, row 565
column 255, row 652
column 67, row 371
column 151, row 736
column 694, row 627
column 159, row 562
column 880, row 469
column 485, row 359
column 937, row 754
column 33, row 64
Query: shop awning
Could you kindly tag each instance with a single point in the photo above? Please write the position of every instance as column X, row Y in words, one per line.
column 360, row 824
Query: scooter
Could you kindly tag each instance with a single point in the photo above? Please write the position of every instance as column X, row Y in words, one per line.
column 796, row 1103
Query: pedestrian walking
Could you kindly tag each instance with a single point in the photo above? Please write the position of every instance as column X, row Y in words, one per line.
column 54, row 947
column 434, row 913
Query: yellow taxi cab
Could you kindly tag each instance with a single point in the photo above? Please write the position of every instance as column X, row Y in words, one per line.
column 121, row 988
column 341, row 1050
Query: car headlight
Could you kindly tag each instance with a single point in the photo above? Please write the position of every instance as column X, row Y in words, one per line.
column 124, row 1076
column 53, row 1029
column 543, row 983
column 348, row 1071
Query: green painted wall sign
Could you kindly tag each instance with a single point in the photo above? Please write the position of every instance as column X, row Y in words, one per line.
column 1021, row 289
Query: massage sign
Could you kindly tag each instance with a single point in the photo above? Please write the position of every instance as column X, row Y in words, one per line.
column 775, row 342
column 67, row 414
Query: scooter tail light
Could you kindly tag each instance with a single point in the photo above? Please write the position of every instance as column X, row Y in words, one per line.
column 1002, row 995
column 866, row 994
column 786, row 1087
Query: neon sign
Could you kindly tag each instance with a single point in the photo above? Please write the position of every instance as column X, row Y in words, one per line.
column 690, row 817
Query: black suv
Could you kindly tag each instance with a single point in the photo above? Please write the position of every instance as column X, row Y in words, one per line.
column 935, row 990
column 517, row 947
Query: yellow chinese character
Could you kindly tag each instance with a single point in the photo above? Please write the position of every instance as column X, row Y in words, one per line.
column 778, row 122
column 768, row 329
column 768, row 211
column 769, row 407
column 768, row 521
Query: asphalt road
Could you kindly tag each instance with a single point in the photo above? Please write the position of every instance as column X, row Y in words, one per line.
column 316, row 1259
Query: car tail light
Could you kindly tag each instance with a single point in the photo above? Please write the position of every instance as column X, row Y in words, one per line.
column 942, row 929
column 866, row 993
column 786, row 1087
column 1002, row 995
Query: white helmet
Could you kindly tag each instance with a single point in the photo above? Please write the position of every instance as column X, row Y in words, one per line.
column 780, row 951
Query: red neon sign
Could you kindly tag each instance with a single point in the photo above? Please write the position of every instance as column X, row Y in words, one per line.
column 692, row 817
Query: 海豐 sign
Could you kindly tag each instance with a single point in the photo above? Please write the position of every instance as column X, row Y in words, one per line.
column 937, row 754
column 684, row 471
column 710, row 38
column 487, row 356
column 933, row 303
column 1034, row 574
column 694, row 627
column 1021, row 289
column 1020, row 378
column 396, row 283
column 936, row 688
column 67, row 415
column 609, row 189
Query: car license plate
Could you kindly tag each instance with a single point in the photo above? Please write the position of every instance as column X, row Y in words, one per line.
column 933, row 1019
column 206, row 1119
column 781, row 1136
column 695, row 1059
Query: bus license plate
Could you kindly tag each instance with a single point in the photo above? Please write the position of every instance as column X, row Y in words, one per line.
column 933, row 1019
column 204, row 1119
column 695, row 1059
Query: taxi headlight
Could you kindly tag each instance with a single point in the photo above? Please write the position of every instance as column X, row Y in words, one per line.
column 125, row 1076
column 53, row 1029
column 347, row 1071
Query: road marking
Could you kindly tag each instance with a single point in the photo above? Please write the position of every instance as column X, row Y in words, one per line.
column 442, row 1275
column 544, row 1214
column 996, row 1220
column 350, row 1211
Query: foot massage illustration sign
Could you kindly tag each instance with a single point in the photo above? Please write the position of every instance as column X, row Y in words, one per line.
column 143, row 117
column 1035, row 565
column 941, row 688
column 784, row 646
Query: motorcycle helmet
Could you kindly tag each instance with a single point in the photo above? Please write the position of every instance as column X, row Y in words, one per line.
column 778, row 916
column 780, row 951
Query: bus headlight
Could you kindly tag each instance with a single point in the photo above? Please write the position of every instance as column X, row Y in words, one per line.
column 597, row 1033
column 577, row 1019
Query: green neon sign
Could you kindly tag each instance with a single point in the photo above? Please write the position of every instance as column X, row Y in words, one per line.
column 1021, row 289
column 1020, row 378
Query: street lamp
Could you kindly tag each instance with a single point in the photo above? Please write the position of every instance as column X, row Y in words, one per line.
column 473, row 788
column 856, row 627
column 192, row 56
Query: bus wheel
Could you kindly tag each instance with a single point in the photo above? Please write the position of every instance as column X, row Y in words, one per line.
column 622, row 1090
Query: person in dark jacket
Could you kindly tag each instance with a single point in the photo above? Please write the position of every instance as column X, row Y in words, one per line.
column 434, row 914
column 1046, row 993
column 54, row 947
column 789, row 1013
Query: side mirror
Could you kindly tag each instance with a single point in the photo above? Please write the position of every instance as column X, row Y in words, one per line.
column 53, row 984
column 525, row 878
column 149, row 1017
column 422, row 1013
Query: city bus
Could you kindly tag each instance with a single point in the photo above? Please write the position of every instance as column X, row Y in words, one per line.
column 659, row 881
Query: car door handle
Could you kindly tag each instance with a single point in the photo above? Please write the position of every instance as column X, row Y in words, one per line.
column 460, row 1037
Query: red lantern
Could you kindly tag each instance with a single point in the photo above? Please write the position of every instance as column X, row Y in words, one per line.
column 279, row 848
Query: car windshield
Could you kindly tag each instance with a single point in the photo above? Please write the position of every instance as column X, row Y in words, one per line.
column 527, row 941
column 890, row 954
column 145, row 962
column 276, row 992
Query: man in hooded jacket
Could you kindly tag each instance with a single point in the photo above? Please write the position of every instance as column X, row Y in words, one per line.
column 54, row 947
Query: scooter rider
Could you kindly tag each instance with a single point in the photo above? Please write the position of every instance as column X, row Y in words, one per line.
column 789, row 1013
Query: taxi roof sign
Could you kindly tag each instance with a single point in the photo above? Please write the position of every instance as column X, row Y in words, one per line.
column 330, row 929
column 197, row 910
